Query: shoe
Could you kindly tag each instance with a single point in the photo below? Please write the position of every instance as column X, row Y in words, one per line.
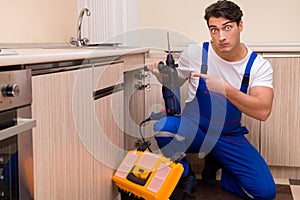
column 188, row 184
column 180, row 195
column 185, row 186
column 211, row 166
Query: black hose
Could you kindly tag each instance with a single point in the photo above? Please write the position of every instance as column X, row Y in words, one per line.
column 141, row 133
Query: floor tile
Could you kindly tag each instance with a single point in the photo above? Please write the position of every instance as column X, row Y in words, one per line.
column 215, row 192
column 283, row 192
column 296, row 191
column 281, row 181
column 294, row 182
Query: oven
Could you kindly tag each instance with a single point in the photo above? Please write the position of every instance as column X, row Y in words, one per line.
column 16, row 153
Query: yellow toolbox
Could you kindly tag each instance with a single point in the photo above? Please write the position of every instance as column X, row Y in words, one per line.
column 147, row 175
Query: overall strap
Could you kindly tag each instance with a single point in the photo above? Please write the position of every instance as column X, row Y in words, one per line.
column 246, row 77
column 204, row 57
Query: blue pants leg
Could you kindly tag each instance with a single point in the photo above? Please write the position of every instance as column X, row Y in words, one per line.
column 180, row 126
column 244, row 169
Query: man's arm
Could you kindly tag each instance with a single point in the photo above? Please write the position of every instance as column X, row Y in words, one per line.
column 256, row 104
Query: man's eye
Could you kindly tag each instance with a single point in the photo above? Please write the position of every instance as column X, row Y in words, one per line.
column 227, row 28
column 213, row 30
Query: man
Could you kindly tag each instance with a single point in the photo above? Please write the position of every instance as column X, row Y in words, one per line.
column 237, row 81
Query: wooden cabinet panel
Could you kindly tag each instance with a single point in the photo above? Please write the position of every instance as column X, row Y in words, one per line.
column 133, row 61
column 108, row 130
column 108, row 75
column 280, row 133
column 108, row 143
column 63, row 167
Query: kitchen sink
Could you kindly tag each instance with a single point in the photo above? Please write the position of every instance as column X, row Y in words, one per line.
column 8, row 49
column 104, row 46
column 7, row 52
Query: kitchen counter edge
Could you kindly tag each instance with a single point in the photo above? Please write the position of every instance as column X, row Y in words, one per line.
column 40, row 55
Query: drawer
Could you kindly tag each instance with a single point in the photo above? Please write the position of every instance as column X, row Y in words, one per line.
column 107, row 75
column 132, row 62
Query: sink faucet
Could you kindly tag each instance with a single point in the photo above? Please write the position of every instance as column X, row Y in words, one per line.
column 79, row 41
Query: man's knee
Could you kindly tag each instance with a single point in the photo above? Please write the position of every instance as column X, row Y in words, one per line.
column 167, row 124
column 266, row 192
column 162, row 141
column 164, row 138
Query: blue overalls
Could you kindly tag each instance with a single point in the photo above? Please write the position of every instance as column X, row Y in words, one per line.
column 211, row 123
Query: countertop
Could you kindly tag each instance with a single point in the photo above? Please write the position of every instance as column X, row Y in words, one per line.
column 31, row 55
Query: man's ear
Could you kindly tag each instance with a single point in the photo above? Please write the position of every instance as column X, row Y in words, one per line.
column 241, row 26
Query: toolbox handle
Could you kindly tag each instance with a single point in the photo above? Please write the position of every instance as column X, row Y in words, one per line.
column 131, row 177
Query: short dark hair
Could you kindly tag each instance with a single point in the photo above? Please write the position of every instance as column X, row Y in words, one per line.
column 224, row 8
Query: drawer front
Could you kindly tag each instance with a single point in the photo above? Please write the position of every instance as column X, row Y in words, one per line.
column 107, row 75
column 132, row 62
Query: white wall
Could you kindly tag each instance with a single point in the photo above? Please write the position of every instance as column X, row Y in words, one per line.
column 264, row 20
column 37, row 21
column 55, row 21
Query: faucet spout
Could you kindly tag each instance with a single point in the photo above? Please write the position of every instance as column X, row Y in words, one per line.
column 82, row 12
column 79, row 41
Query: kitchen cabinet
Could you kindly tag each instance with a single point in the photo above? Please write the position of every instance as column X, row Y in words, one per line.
column 63, row 166
column 108, row 128
column 70, row 151
column 79, row 138
column 108, row 146
column 280, row 137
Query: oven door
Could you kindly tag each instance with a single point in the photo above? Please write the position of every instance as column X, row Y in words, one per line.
column 16, row 149
column 22, row 125
column 16, row 156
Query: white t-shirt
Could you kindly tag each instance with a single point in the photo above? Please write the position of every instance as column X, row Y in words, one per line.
column 191, row 59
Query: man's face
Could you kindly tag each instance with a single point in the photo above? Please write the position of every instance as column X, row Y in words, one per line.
column 224, row 33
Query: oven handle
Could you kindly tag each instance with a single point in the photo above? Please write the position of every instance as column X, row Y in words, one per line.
column 23, row 125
